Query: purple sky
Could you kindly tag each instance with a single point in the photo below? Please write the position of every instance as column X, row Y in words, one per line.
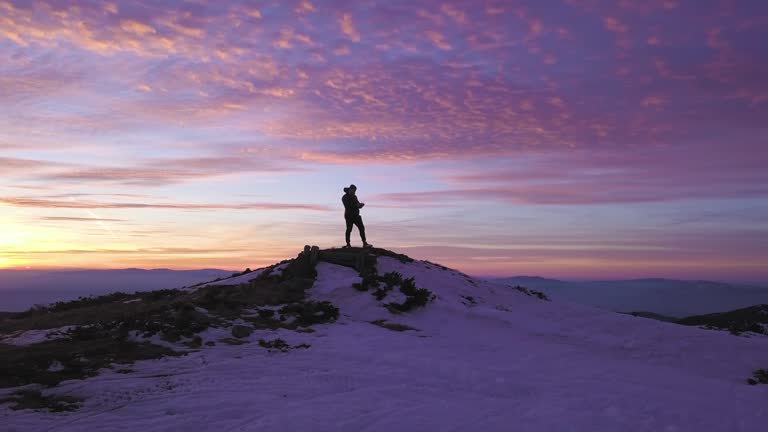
column 564, row 138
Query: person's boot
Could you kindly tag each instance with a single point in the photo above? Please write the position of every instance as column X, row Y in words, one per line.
column 347, row 246
column 367, row 245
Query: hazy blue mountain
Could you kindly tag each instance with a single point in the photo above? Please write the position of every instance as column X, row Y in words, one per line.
column 673, row 298
column 20, row 289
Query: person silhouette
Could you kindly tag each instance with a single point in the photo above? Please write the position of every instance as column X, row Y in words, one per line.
column 352, row 214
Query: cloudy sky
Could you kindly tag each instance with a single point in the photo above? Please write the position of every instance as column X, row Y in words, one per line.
column 563, row 138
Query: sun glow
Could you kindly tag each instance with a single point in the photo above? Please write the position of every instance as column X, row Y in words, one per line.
column 11, row 236
column 5, row 263
column 11, row 240
column 17, row 241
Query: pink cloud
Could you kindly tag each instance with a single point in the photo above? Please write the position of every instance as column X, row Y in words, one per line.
column 348, row 27
column 83, row 204
column 632, row 176
column 11, row 165
column 565, row 102
column 78, row 219
column 155, row 172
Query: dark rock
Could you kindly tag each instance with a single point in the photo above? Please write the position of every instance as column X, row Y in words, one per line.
column 241, row 331
column 314, row 255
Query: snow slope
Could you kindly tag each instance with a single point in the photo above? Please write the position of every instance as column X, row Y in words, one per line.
column 501, row 361
column 674, row 298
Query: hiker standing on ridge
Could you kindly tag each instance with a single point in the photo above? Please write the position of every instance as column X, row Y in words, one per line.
column 352, row 213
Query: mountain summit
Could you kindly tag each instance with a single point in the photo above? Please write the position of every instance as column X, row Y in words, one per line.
column 367, row 339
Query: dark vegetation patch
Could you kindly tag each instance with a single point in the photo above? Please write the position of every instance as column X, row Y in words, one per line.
column 195, row 343
column 405, row 259
column 280, row 345
column 175, row 313
column 333, row 255
column 265, row 319
column 297, row 316
column 231, row 300
column 308, row 313
column 242, row 273
column 369, row 281
column 88, row 310
column 393, row 326
column 654, row 316
column 85, row 302
column 104, row 326
column 532, row 293
column 35, row 400
column 415, row 297
column 380, row 285
column 381, row 293
column 241, row 331
column 751, row 319
column 759, row 376
column 233, row 341
column 275, row 344
column 78, row 357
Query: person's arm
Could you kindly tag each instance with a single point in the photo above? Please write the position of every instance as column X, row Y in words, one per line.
column 358, row 203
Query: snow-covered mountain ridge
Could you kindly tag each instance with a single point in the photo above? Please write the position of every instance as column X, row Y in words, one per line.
column 673, row 298
column 353, row 340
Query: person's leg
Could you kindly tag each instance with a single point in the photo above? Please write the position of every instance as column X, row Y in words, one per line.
column 350, row 222
column 361, row 228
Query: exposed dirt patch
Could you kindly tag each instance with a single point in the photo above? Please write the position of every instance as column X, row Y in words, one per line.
column 393, row 326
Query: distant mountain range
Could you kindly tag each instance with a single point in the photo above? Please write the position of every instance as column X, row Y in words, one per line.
column 667, row 297
column 20, row 289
